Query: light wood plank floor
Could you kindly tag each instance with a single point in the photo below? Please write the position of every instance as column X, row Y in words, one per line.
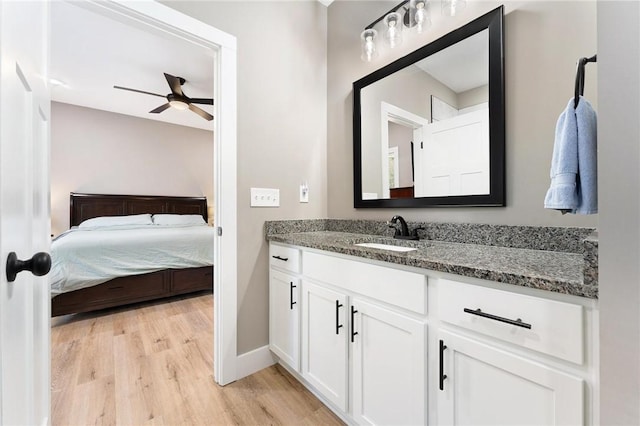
column 151, row 364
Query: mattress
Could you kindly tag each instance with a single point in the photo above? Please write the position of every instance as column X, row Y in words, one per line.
column 86, row 257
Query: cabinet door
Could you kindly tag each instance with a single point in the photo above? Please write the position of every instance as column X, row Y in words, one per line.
column 284, row 317
column 388, row 367
column 488, row 386
column 324, row 342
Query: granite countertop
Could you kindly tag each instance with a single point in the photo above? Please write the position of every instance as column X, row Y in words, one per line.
column 556, row 271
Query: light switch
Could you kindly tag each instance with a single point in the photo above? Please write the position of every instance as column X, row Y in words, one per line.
column 265, row 197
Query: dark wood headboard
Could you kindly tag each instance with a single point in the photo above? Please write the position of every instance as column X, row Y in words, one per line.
column 87, row 206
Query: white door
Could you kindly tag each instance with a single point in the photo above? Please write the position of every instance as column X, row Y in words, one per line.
column 388, row 367
column 487, row 386
column 455, row 158
column 324, row 342
column 24, row 211
column 284, row 318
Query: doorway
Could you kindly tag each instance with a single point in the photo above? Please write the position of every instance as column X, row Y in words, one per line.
column 154, row 17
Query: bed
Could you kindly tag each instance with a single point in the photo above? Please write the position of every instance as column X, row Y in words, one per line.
column 135, row 287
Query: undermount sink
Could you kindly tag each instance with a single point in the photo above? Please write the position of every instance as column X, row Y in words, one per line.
column 386, row 247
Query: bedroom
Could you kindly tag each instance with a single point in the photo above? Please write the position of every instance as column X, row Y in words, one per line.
column 104, row 141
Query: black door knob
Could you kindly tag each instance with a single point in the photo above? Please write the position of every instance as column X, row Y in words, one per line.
column 39, row 265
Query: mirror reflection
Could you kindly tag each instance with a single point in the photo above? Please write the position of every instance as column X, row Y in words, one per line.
column 425, row 128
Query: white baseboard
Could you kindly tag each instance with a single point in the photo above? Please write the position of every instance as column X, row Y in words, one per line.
column 252, row 361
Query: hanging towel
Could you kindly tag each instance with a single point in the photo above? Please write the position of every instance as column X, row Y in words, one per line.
column 574, row 167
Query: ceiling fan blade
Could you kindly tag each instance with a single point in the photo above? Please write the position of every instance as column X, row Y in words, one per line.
column 202, row 113
column 160, row 109
column 138, row 91
column 174, row 84
column 204, row 101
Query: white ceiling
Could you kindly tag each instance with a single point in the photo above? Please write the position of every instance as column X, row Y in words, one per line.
column 91, row 53
column 463, row 66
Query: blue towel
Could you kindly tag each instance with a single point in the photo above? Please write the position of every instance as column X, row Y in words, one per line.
column 574, row 167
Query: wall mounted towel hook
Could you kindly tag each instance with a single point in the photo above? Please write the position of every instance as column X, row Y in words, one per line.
column 579, row 86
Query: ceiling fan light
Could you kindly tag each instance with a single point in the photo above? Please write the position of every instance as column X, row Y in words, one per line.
column 179, row 105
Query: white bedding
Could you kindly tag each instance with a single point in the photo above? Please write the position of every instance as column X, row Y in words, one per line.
column 87, row 257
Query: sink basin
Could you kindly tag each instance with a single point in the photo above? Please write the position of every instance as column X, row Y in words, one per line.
column 386, row 247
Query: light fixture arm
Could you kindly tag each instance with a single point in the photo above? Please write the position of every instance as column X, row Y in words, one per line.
column 395, row 9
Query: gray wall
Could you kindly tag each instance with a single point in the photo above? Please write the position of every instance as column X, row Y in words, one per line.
column 106, row 153
column 416, row 100
column 473, row 96
column 401, row 136
column 619, row 227
column 282, row 122
column 543, row 40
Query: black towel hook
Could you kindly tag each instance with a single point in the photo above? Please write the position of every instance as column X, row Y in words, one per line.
column 579, row 87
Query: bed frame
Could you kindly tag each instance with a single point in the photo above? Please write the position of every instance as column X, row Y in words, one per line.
column 137, row 288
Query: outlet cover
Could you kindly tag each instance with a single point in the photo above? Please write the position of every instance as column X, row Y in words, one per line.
column 265, row 197
column 304, row 193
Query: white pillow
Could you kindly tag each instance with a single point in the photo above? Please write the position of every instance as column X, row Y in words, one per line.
column 108, row 221
column 178, row 219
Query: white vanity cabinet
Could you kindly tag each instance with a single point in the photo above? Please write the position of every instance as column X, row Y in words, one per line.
column 479, row 384
column 284, row 306
column 325, row 332
column 388, row 352
column 359, row 352
column 391, row 345
column 388, row 366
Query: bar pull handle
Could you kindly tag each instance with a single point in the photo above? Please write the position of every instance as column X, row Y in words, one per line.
column 281, row 258
column 442, row 375
column 291, row 294
column 338, row 325
column 517, row 322
column 353, row 324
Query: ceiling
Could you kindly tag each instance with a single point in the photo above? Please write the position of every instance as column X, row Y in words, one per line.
column 463, row 66
column 91, row 53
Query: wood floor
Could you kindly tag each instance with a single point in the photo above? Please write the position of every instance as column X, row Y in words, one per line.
column 151, row 364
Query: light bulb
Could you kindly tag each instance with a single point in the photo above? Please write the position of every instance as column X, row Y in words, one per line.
column 421, row 17
column 393, row 35
column 452, row 7
column 179, row 105
column 369, row 51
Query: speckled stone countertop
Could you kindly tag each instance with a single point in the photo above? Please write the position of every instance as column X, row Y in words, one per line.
column 556, row 271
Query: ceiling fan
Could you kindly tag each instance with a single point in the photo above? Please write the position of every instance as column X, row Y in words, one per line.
column 177, row 99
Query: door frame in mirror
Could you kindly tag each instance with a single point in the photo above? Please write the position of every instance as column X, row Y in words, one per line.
column 493, row 22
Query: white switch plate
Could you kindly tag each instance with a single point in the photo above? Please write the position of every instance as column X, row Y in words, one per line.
column 265, row 197
column 304, row 193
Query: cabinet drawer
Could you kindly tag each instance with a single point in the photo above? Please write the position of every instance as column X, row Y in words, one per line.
column 187, row 280
column 400, row 288
column 283, row 257
column 556, row 328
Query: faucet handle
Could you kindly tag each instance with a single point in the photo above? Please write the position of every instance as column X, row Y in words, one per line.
column 415, row 231
column 394, row 227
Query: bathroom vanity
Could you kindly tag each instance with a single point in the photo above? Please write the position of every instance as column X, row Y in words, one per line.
column 445, row 333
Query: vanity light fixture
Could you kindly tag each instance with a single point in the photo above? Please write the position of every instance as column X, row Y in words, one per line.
column 452, row 7
column 393, row 32
column 409, row 14
column 369, row 51
column 421, row 16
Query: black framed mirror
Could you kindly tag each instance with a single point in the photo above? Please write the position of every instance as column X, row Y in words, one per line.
column 429, row 128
